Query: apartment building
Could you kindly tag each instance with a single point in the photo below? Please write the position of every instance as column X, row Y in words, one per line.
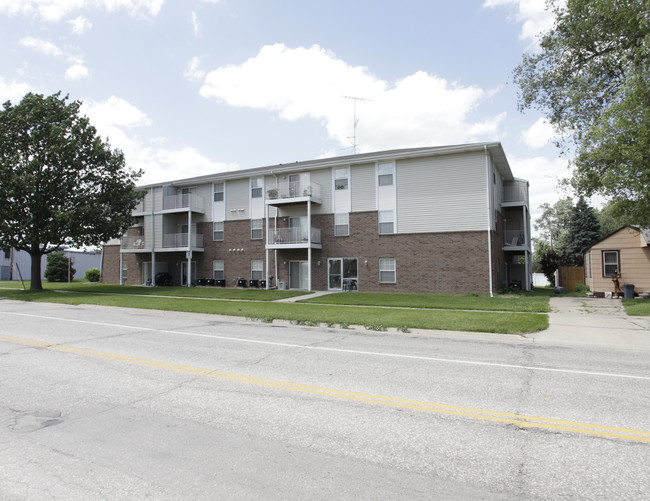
column 449, row 219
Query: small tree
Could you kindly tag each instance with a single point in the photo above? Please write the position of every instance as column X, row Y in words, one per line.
column 584, row 231
column 93, row 275
column 549, row 263
column 59, row 267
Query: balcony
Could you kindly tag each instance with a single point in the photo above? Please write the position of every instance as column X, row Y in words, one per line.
column 179, row 241
column 514, row 239
column 139, row 209
column 515, row 193
column 286, row 238
column 294, row 191
column 184, row 201
column 133, row 243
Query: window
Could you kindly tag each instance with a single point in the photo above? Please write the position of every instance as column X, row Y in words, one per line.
column 218, row 192
column 611, row 263
column 387, row 267
column 257, row 269
column 341, row 179
column 341, row 224
column 217, row 231
column 256, row 229
column 124, row 274
column 218, row 270
column 386, row 222
column 385, row 174
column 256, row 187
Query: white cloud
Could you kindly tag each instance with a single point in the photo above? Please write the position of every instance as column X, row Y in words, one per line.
column 80, row 25
column 13, row 91
column 420, row 109
column 539, row 134
column 55, row 10
column 78, row 71
column 42, row 46
column 196, row 27
column 193, row 71
column 120, row 122
column 533, row 15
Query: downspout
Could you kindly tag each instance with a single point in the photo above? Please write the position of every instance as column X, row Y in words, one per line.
column 489, row 218
column 153, row 237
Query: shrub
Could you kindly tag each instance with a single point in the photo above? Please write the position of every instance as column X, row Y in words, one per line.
column 93, row 275
column 582, row 288
column 59, row 267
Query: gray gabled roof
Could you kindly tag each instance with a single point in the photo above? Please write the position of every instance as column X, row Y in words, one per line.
column 495, row 149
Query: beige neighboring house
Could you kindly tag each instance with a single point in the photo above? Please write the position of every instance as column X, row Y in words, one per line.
column 626, row 251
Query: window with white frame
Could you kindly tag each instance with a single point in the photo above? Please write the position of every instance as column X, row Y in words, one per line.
column 341, row 178
column 217, row 231
column 386, row 222
column 218, row 270
column 385, row 174
column 256, row 229
column 387, row 270
column 218, row 192
column 256, row 187
column 611, row 263
column 257, row 269
column 341, row 224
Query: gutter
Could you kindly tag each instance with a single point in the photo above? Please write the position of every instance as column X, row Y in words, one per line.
column 489, row 218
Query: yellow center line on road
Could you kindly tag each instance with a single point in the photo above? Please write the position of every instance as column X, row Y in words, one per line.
column 519, row 420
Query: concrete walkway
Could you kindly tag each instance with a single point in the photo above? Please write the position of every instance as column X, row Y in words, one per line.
column 594, row 322
column 305, row 296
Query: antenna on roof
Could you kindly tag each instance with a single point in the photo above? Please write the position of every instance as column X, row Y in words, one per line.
column 356, row 121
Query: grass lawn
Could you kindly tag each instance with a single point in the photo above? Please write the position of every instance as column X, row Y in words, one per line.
column 257, row 304
column 637, row 307
column 519, row 302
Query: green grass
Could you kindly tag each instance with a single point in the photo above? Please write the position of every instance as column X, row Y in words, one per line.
column 512, row 303
column 304, row 314
column 637, row 307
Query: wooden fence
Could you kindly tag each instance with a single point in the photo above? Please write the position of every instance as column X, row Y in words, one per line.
column 569, row 276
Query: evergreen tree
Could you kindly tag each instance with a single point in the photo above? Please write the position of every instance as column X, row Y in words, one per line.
column 584, row 231
column 59, row 267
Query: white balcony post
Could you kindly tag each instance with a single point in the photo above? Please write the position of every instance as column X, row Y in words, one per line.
column 309, row 243
column 189, row 246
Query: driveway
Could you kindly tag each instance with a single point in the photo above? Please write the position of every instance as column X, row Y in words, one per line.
column 594, row 322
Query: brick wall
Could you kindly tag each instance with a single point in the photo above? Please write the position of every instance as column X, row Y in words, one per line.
column 111, row 264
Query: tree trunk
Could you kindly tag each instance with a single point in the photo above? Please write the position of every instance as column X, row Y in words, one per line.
column 36, row 284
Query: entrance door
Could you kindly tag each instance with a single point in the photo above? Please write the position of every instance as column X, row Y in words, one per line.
column 294, row 185
column 184, row 273
column 147, row 279
column 298, row 275
column 342, row 274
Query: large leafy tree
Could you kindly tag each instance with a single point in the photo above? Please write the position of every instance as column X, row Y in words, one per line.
column 591, row 80
column 60, row 183
column 553, row 224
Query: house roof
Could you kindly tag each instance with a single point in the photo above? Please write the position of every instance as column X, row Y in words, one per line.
column 495, row 149
column 645, row 233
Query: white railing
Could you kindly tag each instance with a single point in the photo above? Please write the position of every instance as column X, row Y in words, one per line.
column 296, row 235
column 515, row 191
column 293, row 189
column 133, row 243
column 139, row 207
column 179, row 240
column 515, row 238
column 183, row 201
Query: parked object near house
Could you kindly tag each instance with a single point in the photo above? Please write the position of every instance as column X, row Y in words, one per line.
column 624, row 255
column 448, row 219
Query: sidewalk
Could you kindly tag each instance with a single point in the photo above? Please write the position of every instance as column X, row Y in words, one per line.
column 306, row 296
column 594, row 322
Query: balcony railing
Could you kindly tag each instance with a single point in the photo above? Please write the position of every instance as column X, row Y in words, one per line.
column 515, row 238
column 179, row 240
column 293, row 189
column 288, row 236
column 139, row 207
column 183, row 201
column 133, row 243
column 515, row 191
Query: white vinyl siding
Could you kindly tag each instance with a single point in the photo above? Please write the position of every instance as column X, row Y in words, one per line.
column 323, row 178
column 237, row 199
column 362, row 180
column 440, row 194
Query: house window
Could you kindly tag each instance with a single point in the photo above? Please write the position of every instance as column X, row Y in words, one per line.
column 124, row 270
column 257, row 269
column 218, row 192
column 256, row 187
column 386, row 222
column 256, row 229
column 218, row 270
column 341, row 224
column 385, row 174
column 611, row 263
column 217, row 231
column 341, row 177
column 387, row 269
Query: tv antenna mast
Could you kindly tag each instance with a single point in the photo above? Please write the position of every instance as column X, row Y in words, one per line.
column 356, row 121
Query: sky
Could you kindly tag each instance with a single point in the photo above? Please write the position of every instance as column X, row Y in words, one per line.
column 194, row 87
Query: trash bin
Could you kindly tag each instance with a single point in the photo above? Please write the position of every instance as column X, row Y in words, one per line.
column 628, row 291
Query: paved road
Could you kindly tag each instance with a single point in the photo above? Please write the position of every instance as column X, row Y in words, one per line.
column 107, row 403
